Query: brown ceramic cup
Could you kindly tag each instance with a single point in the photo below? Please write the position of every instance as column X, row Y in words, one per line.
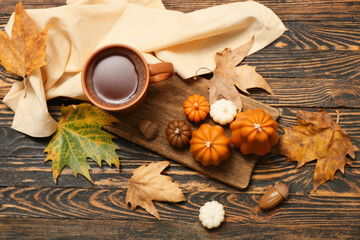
column 146, row 74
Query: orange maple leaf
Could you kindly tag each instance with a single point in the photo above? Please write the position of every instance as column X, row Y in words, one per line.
column 26, row 49
column 317, row 137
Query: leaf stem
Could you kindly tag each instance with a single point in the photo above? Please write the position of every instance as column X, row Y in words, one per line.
column 337, row 116
column 25, row 86
column 127, row 180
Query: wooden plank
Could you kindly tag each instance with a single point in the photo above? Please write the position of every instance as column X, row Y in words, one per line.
column 16, row 144
column 298, row 64
column 305, row 10
column 302, row 35
column 289, row 92
column 319, row 36
column 15, row 228
column 28, row 228
column 295, row 10
column 8, row 6
column 241, row 208
column 22, row 165
column 306, row 64
column 323, row 32
column 33, row 172
column 311, row 93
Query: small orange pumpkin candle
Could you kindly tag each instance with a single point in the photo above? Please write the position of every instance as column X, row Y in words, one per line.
column 196, row 108
column 254, row 131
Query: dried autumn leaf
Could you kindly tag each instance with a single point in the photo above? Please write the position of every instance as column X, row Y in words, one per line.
column 147, row 185
column 26, row 49
column 317, row 137
column 227, row 75
column 79, row 136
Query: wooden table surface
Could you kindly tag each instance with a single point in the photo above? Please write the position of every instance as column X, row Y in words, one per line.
column 316, row 64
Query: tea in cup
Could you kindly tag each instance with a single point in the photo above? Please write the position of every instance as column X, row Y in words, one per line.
column 116, row 77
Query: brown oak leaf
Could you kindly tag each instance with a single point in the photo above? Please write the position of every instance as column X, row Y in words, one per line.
column 26, row 49
column 227, row 75
column 317, row 137
column 147, row 185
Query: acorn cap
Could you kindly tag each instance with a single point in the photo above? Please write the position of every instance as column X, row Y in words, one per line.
column 283, row 189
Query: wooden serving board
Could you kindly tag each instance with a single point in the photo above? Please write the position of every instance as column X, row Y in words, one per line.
column 163, row 104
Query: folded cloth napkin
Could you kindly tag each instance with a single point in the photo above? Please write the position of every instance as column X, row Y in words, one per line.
column 188, row 40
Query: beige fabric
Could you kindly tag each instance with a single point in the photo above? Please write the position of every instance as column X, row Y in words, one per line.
column 189, row 41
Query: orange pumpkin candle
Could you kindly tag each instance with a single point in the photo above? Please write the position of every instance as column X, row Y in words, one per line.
column 196, row 108
column 254, row 131
column 210, row 145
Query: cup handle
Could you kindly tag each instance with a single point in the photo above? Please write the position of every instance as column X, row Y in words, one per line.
column 160, row 71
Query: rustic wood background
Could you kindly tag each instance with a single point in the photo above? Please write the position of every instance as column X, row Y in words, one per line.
column 316, row 64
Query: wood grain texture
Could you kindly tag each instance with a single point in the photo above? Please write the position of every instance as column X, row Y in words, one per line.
column 295, row 10
column 18, row 145
column 289, row 92
column 8, row 6
column 319, row 36
column 315, row 64
column 302, row 35
column 33, row 172
column 241, row 208
column 306, row 64
column 128, row 229
column 341, row 64
column 21, row 162
column 312, row 92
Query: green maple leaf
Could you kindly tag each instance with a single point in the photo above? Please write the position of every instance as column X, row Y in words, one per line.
column 79, row 136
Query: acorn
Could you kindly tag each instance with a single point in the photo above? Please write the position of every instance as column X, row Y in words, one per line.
column 274, row 196
column 148, row 129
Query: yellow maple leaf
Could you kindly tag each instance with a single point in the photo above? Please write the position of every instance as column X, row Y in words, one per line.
column 26, row 49
column 147, row 184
